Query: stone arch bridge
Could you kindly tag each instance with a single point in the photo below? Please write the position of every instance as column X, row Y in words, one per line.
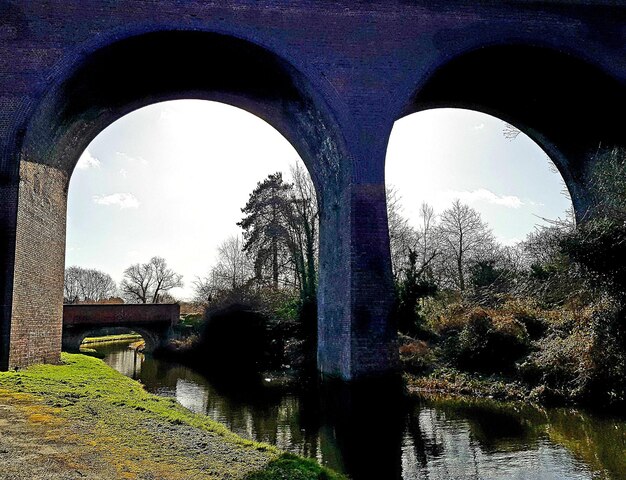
column 332, row 76
column 153, row 322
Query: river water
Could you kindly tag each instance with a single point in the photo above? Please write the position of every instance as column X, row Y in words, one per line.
column 385, row 436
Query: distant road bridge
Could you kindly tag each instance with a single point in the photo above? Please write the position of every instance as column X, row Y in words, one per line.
column 153, row 322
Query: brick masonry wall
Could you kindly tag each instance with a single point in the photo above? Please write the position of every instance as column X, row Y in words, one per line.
column 363, row 64
column 152, row 321
column 121, row 315
column 39, row 264
column 8, row 214
column 373, row 339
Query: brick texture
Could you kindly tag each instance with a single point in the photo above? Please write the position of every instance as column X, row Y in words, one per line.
column 39, row 263
column 332, row 76
column 152, row 321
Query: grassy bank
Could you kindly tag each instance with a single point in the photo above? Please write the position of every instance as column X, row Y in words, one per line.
column 112, row 338
column 111, row 418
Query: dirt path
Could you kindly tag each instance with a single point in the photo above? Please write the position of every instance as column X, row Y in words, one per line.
column 36, row 443
column 27, row 453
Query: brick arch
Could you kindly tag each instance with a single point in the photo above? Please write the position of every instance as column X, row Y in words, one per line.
column 565, row 104
column 113, row 80
column 140, row 70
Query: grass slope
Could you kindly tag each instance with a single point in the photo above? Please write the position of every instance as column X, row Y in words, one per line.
column 86, row 403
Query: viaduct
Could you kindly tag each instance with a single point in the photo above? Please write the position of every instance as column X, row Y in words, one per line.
column 152, row 321
column 332, row 76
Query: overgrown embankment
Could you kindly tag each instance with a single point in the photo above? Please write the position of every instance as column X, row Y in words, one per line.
column 83, row 419
column 519, row 350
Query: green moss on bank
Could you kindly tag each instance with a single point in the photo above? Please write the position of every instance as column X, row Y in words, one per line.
column 292, row 467
column 85, row 402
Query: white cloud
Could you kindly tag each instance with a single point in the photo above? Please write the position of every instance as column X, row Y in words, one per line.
column 129, row 158
column 87, row 160
column 122, row 200
column 484, row 195
column 480, row 126
column 123, row 172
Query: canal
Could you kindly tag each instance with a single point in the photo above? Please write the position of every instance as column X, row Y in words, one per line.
column 383, row 435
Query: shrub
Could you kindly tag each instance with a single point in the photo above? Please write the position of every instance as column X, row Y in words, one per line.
column 563, row 363
column 189, row 324
column 528, row 313
column 482, row 339
column 239, row 333
column 582, row 357
column 474, row 338
column 451, row 319
column 415, row 355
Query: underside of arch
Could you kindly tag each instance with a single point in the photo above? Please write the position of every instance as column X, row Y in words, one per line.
column 73, row 337
column 170, row 65
column 569, row 107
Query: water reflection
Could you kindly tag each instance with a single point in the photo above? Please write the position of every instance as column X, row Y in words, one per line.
column 380, row 435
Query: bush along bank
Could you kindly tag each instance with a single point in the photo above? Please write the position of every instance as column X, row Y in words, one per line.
column 264, row 333
column 518, row 351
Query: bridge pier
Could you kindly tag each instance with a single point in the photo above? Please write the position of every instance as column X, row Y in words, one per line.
column 356, row 337
column 34, row 285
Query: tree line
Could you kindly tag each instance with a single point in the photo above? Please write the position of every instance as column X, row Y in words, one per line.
column 549, row 310
column 148, row 282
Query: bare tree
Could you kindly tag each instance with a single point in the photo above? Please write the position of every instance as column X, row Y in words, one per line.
column 164, row 279
column 428, row 243
column 87, row 285
column 205, row 289
column 234, row 267
column 303, row 231
column 234, row 270
column 149, row 282
column 465, row 239
column 71, row 285
column 137, row 283
column 402, row 237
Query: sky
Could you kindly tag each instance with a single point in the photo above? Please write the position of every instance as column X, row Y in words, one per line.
column 170, row 180
column 441, row 155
